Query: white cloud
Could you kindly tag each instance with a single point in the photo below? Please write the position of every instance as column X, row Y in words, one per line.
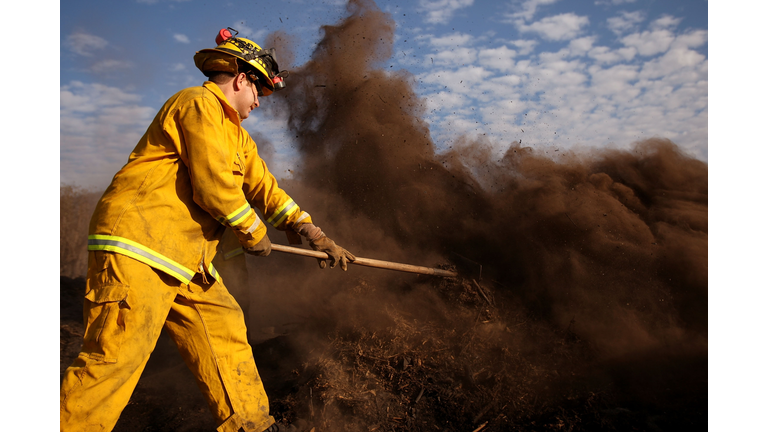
column 613, row 2
column 451, row 40
column 456, row 56
column 559, row 27
column 527, row 9
column 615, row 81
column 181, row 38
column 625, row 22
column 581, row 45
column 99, row 125
column 84, row 43
column 649, row 43
column 665, row 22
column 444, row 100
column 501, row 58
column 244, row 30
column 693, row 39
column 108, row 65
column 524, row 46
column 507, row 81
column 581, row 96
column 674, row 60
column 441, row 11
column 453, row 79
column 81, row 97
column 606, row 55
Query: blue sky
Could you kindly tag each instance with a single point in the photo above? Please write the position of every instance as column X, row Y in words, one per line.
column 555, row 74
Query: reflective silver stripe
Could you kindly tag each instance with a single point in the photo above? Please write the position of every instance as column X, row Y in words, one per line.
column 280, row 216
column 141, row 253
column 213, row 272
column 233, row 253
column 303, row 216
column 239, row 214
column 254, row 226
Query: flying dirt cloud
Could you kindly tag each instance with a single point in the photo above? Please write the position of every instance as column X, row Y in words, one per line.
column 615, row 241
column 606, row 247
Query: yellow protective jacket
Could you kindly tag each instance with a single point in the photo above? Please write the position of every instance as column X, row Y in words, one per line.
column 195, row 171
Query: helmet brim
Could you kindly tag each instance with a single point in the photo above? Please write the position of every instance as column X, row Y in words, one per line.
column 214, row 59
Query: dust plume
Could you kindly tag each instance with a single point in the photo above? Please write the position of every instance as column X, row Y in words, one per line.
column 614, row 241
column 608, row 246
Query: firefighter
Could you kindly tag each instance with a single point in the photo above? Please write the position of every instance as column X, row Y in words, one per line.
column 195, row 173
column 231, row 264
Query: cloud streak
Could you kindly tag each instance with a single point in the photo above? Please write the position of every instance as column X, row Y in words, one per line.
column 85, row 44
column 527, row 10
column 441, row 11
column 556, row 28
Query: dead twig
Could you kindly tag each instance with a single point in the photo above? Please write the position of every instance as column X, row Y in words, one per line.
column 482, row 413
column 311, row 406
column 477, row 285
column 481, row 427
column 421, row 393
column 574, row 223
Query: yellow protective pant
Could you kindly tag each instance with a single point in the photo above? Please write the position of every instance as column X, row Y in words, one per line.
column 127, row 303
column 235, row 274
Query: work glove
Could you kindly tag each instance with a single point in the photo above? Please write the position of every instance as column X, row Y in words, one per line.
column 262, row 248
column 337, row 254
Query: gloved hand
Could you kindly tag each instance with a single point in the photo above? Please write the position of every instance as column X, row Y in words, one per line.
column 337, row 253
column 262, row 248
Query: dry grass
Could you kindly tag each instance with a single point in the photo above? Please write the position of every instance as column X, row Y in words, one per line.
column 77, row 206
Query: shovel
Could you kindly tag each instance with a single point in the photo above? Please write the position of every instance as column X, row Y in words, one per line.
column 388, row 265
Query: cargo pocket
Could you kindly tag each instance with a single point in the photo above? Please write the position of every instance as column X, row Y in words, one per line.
column 106, row 307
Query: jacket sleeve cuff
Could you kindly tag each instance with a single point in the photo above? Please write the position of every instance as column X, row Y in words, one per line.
column 250, row 234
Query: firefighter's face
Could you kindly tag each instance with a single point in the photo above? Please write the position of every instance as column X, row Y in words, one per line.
column 247, row 98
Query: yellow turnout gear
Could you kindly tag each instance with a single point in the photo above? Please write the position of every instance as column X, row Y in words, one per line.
column 194, row 172
column 127, row 305
column 193, row 175
column 231, row 264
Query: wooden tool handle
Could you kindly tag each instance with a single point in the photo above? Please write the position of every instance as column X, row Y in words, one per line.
column 367, row 262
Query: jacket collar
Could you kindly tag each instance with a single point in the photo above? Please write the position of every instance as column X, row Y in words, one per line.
column 216, row 90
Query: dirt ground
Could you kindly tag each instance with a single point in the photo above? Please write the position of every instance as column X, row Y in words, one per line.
column 423, row 372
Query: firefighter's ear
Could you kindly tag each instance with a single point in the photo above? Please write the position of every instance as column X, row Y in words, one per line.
column 241, row 81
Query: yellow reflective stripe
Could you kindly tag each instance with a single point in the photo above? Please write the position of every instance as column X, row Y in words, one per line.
column 282, row 213
column 239, row 215
column 233, row 253
column 213, row 272
column 142, row 253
